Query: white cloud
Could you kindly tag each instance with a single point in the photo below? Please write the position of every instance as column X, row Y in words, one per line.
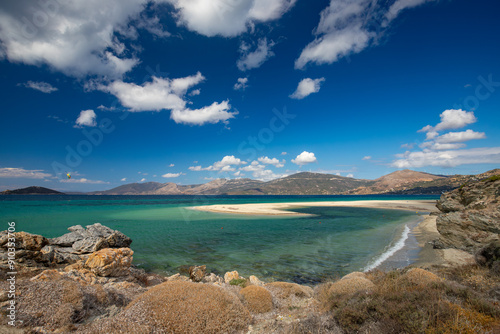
column 227, row 18
column 143, row 179
column 83, row 180
column 367, row 157
column 124, row 179
column 61, row 35
column 86, row 118
column 450, row 119
column 241, row 84
column 350, row 175
column 41, row 86
column 255, row 59
column 216, row 112
column 349, row 26
column 304, row 158
column 169, row 94
column 275, row 162
column 284, row 153
column 195, row 92
column 460, row 137
column 159, row 94
column 224, row 165
column 10, row 172
column 171, row 165
column 171, row 175
column 399, row 5
column 306, row 87
column 260, row 172
column 450, row 158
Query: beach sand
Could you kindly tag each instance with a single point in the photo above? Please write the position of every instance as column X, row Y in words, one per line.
column 425, row 232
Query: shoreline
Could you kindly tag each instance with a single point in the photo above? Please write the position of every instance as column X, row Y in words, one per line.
column 424, row 232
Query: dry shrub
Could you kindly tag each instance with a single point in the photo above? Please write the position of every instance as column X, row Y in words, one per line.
column 351, row 285
column 115, row 325
column 398, row 305
column 421, row 276
column 354, row 274
column 285, row 290
column 50, row 304
column 258, row 299
column 185, row 307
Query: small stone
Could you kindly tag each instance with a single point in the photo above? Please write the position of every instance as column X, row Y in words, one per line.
column 196, row 273
column 230, row 275
column 255, row 281
column 47, row 275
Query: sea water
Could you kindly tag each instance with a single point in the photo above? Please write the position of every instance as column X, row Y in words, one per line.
column 169, row 236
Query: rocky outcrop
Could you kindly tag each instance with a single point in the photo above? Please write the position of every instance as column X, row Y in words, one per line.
column 78, row 245
column 110, row 262
column 470, row 217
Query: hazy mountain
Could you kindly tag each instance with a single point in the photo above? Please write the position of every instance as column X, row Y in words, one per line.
column 32, row 191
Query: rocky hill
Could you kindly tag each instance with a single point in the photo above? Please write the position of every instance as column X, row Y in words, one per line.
column 404, row 182
column 470, row 217
column 31, row 191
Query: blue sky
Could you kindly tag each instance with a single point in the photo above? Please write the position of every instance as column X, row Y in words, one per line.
column 188, row 91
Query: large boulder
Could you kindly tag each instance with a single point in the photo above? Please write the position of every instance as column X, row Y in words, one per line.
column 24, row 240
column 110, row 261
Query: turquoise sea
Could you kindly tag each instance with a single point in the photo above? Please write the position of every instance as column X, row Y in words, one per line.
column 167, row 235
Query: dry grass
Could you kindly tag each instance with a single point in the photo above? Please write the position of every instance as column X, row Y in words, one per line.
column 258, row 299
column 185, row 307
column 285, row 290
column 351, row 285
column 416, row 301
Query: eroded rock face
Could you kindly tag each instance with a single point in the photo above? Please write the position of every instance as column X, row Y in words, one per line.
column 110, row 261
column 470, row 217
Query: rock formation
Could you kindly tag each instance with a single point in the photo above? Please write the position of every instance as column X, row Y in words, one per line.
column 470, row 217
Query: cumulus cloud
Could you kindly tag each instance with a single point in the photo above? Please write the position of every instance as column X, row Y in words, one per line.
column 451, row 119
column 124, row 179
column 349, row 26
column 304, row 158
column 169, row 94
column 449, row 158
column 367, row 157
column 214, row 113
column 284, row 153
column 350, row 175
column 171, row 175
column 306, row 87
column 256, row 58
column 41, row 86
column 12, row 172
column 86, row 118
column 227, row 18
column 275, row 162
column 60, row 35
column 447, row 150
column 241, row 84
column 171, row 165
column 143, row 179
column 459, row 137
column 223, row 165
column 260, row 172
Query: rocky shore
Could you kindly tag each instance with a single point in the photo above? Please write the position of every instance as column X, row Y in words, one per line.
column 85, row 282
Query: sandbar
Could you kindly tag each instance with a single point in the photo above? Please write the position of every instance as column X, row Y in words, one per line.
column 286, row 209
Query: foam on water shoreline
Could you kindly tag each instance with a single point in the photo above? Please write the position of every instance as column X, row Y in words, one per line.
column 401, row 247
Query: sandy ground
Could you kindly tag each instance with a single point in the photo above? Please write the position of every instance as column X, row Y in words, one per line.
column 279, row 208
column 425, row 232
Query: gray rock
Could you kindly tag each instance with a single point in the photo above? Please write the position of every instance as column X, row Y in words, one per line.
column 89, row 245
column 118, row 240
column 67, row 239
column 98, row 230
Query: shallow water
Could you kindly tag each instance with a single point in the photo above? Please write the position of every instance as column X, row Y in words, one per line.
column 167, row 234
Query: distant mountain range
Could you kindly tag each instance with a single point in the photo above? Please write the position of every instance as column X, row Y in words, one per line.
column 306, row 183
column 403, row 182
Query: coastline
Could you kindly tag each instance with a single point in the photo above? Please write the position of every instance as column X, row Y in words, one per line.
column 424, row 232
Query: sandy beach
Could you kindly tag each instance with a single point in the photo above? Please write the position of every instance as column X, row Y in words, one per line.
column 425, row 232
column 286, row 209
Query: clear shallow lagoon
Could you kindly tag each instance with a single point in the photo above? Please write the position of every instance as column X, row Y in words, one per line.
column 166, row 234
